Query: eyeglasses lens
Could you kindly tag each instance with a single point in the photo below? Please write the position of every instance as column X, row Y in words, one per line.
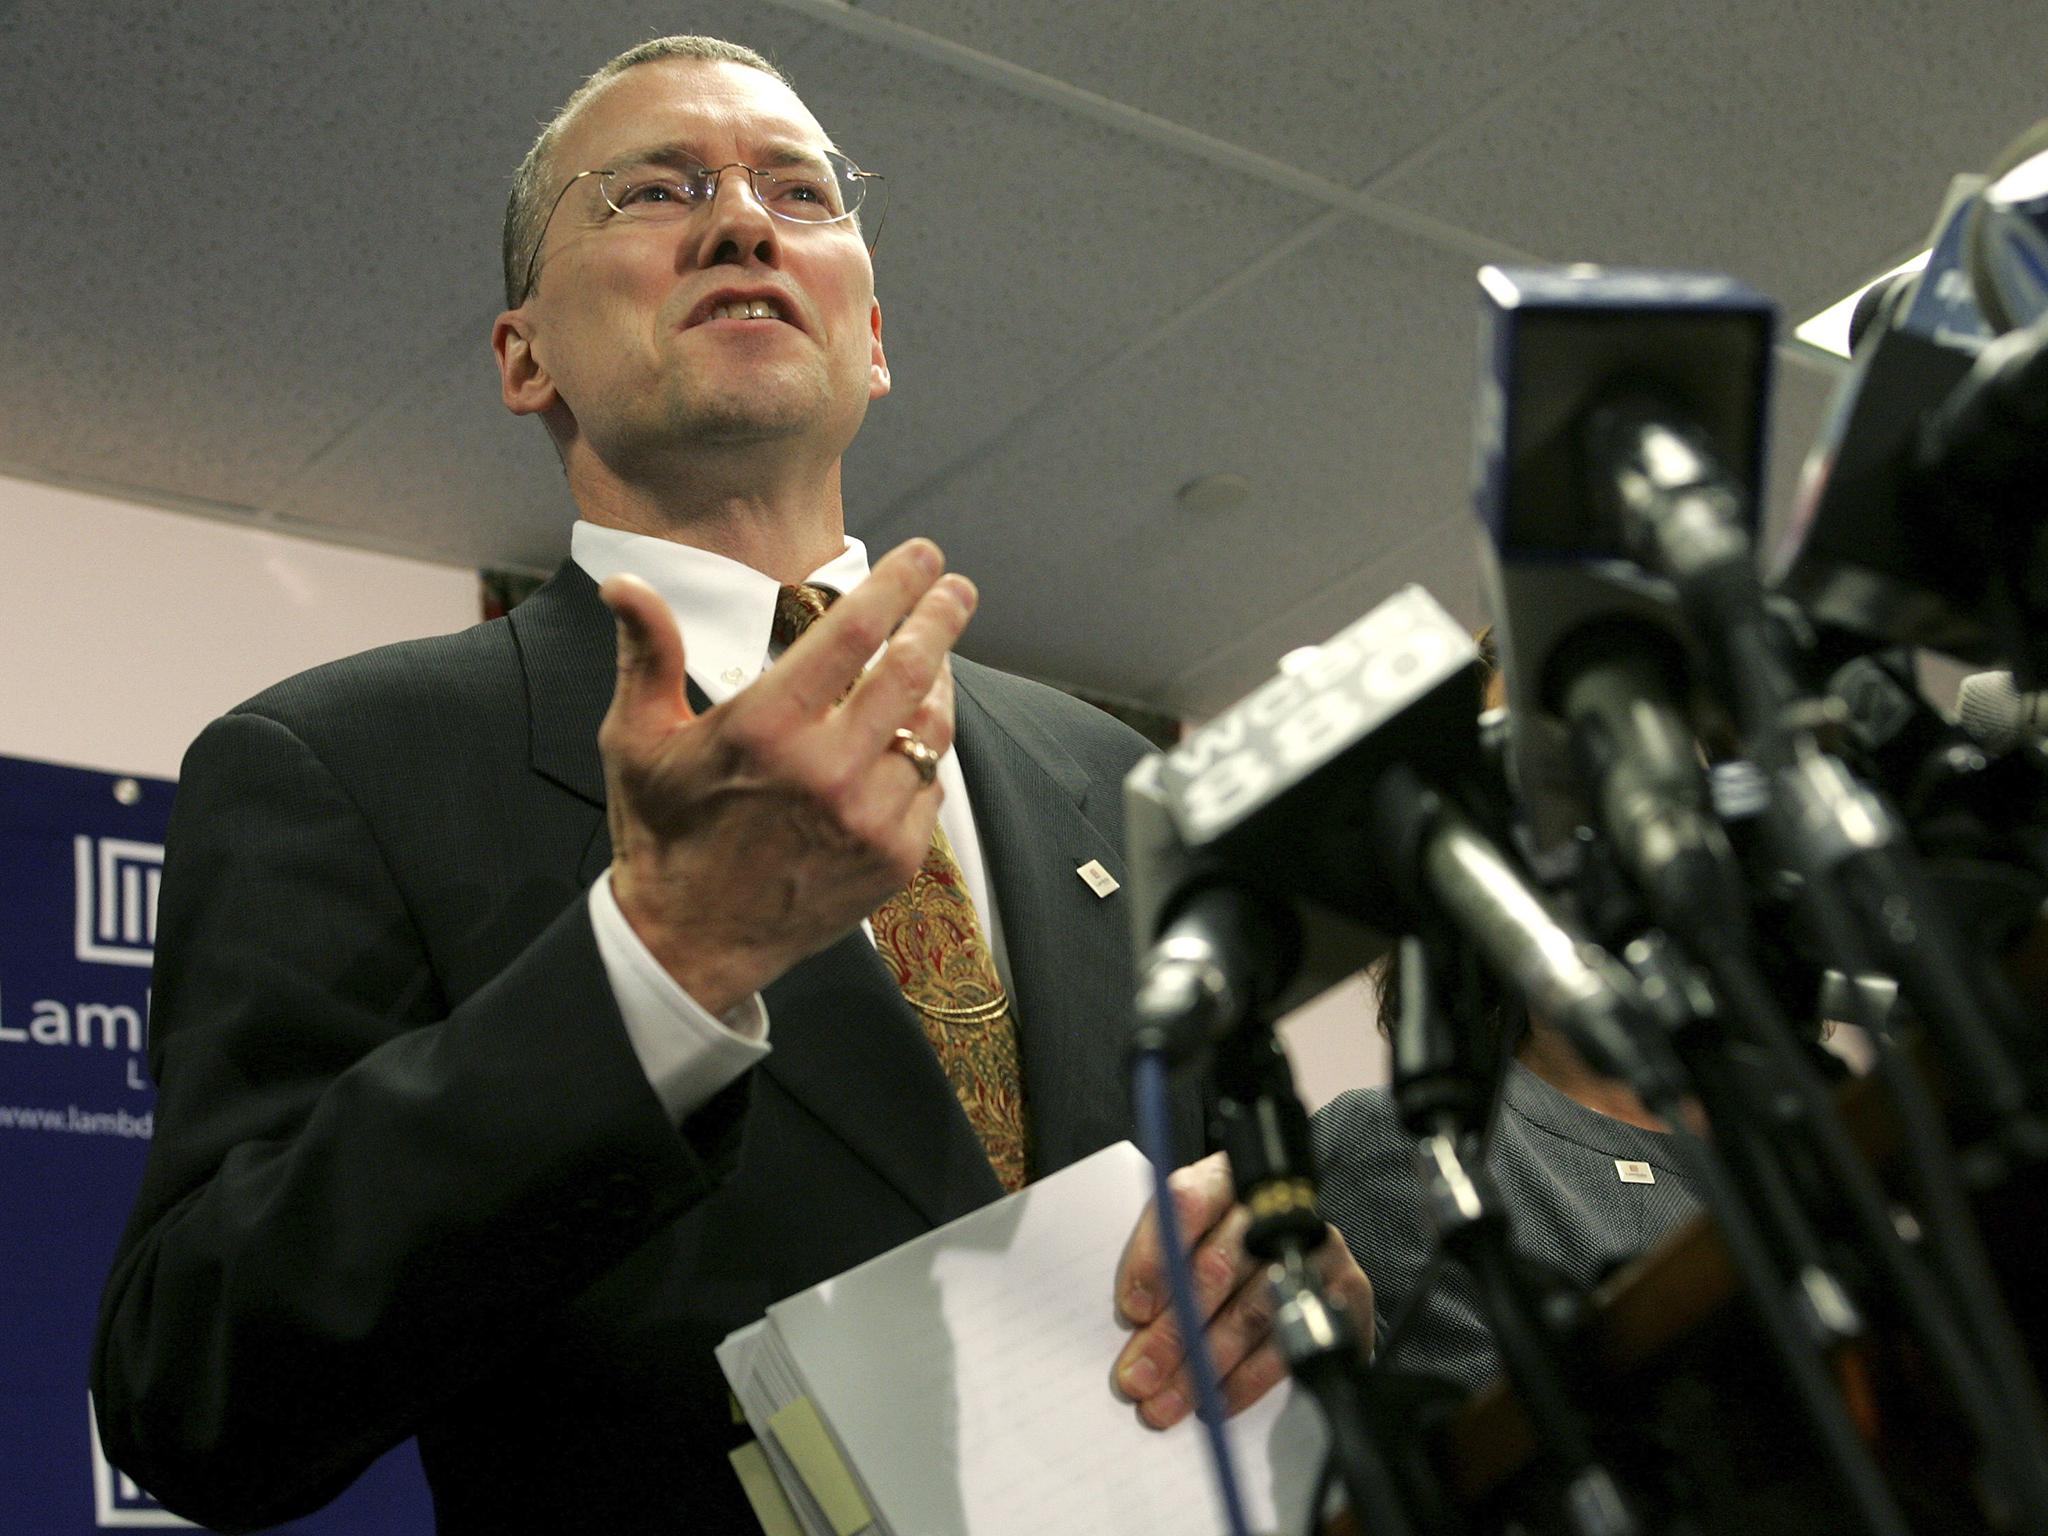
column 809, row 194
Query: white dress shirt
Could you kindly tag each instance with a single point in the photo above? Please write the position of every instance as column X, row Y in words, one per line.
column 725, row 610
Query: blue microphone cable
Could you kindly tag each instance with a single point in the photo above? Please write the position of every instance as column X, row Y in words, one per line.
column 1148, row 1082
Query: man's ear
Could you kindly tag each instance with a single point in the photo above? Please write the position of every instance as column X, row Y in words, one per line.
column 523, row 380
column 878, row 365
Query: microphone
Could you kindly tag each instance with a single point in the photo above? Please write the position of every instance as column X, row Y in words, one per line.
column 1247, row 856
column 1248, row 890
column 1997, row 715
column 1978, row 808
column 1344, row 778
column 1599, row 663
column 1664, row 479
column 1635, row 747
column 1871, row 549
column 1666, row 474
column 1670, row 367
column 1212, row 947
column 2008, row 235
column 1347, row 780
column 1265, row 784
column 1978, row 465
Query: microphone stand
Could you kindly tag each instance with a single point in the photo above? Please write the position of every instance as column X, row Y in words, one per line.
column 1767, row 1165
column 1584, row 992
column 1445, row 1095
column 1677, row 507
column 1942, row 1285
column 1261, row 1123
column 1773, row 1118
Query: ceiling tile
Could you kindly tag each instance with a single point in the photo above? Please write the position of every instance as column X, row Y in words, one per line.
column 1444, row 557
column 1799, row 147
column 1331, row 86
column 1440, row 556
column 1022, row 247
column 247, row 232
column 1339, row 383
column 443, row 469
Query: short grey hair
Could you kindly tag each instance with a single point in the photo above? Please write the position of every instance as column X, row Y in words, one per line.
column 526, row 210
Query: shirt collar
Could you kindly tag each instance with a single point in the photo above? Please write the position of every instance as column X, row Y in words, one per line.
column 725, row 609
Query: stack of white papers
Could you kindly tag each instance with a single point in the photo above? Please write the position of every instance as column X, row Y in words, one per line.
column 960, row 1386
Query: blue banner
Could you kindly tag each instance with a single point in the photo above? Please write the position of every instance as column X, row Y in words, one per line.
column 80, row 857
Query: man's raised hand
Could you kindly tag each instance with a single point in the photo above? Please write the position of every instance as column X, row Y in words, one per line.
column 757, row 833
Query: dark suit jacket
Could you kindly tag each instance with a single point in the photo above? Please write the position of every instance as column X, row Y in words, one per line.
column 409, row 1178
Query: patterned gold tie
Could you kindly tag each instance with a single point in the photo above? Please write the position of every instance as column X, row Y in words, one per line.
column 931, row 938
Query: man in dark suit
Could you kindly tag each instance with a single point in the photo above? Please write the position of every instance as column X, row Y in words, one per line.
column 516, row 1030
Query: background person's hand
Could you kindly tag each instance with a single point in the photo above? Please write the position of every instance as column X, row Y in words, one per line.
column 1231, row 1292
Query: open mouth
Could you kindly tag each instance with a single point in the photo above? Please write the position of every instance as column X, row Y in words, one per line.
column 750, row 307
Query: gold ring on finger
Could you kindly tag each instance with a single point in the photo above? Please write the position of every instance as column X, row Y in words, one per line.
column 914, row 747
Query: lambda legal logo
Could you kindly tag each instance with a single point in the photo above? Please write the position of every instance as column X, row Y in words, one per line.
column 117, row 1503
column 117, row 885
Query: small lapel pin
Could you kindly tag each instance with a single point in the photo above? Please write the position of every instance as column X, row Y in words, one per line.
column 1631, row 1172
column 1099, row 880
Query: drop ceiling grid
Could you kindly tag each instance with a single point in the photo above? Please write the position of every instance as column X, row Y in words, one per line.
column 1341, row 387
column 1023, row 246
column 1331, row 86
column 312, row 359
column 242, row 245
column 1011, row 286
column 440, row 463
column 1795, row 146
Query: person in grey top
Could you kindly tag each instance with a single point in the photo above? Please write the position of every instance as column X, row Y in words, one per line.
column 1585, row 1189
column 1585, row 1172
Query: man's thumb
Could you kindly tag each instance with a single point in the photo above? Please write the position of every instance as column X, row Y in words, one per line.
column 649, row 694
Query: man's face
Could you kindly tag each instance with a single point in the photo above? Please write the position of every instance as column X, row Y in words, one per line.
column 626, row 325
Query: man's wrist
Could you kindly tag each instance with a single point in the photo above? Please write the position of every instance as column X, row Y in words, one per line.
column 687, row 1052
column 718, row 972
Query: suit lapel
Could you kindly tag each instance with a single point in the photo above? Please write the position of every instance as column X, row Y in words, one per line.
column 846, row 1045
column 567, row 647
column 1069, row 949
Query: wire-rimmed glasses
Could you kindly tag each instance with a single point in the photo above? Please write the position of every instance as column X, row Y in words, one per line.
column 821, row 187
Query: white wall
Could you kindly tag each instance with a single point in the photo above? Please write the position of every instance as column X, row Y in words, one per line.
column 1335, row 1043
column 124, row 629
